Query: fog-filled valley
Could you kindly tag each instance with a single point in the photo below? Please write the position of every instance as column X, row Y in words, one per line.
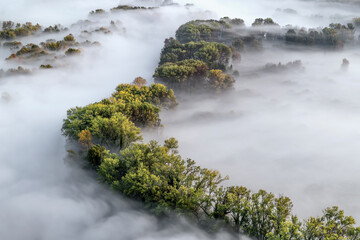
column 288, row 128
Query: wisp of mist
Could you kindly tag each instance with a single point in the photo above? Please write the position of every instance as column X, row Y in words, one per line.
column 292, row 133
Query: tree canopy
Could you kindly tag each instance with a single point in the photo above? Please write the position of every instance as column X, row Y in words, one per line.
column 114, row 121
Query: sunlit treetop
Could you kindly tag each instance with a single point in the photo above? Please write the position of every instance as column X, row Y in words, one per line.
column 130, row 106
column 156, row 94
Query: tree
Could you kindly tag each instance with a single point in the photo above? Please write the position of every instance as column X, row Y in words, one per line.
column 96, row 155
column 69, row 38
column 139, row 81
column 219, row 81
column 240, row 202
column 172, row 144
column 85, row 138
column 156, row 94
column 289, row 230
column 261, row 214
column 8, row 25
column 238, row 45
column 332, row 225
column 188, row 33
column 117, row 130
column 215, row 55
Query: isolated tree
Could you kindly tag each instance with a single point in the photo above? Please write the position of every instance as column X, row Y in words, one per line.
column 69, row 38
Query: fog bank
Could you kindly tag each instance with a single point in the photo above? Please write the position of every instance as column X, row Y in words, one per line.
column 291, row 133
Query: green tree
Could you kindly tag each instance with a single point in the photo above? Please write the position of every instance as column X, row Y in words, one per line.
column 96, row 154
column 332, row 225
column 240, row 203
column 117, row 130
column 289, row 230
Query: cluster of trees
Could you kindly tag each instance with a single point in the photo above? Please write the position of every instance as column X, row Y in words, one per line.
column 97, row 11
column 55, row 29
column 336, row 35
column 188, row 66
column 14, row 71
column 215, row 55
column 205, row 45
column 159, row 177
column 114, row 121
column 138, row 92
column 12, row 44
column 10, row 30
column 264, row 22
column 192, row 75
column 294, row 65
column 46, row 66
column 32, row 50
column 53, row 45
column 128, row 7
column 228, row 31
column 208, row 30
column 29, row 51
column 101, row 11
column 72, row 51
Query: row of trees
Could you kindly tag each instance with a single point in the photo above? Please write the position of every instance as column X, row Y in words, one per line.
column 228, row 30
column 14, row 71
column 10, row 30
column 336, row 35
column 159, row 177
column 31, row 50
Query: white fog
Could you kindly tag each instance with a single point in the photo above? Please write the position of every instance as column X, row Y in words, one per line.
column 293, row 133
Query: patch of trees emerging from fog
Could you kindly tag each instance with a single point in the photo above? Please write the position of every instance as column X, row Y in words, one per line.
column 233, row 31
column 47, row 53
column 216, row 75
column 107, row 135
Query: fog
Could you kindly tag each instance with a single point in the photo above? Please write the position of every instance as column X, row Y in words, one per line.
column 293, row 133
